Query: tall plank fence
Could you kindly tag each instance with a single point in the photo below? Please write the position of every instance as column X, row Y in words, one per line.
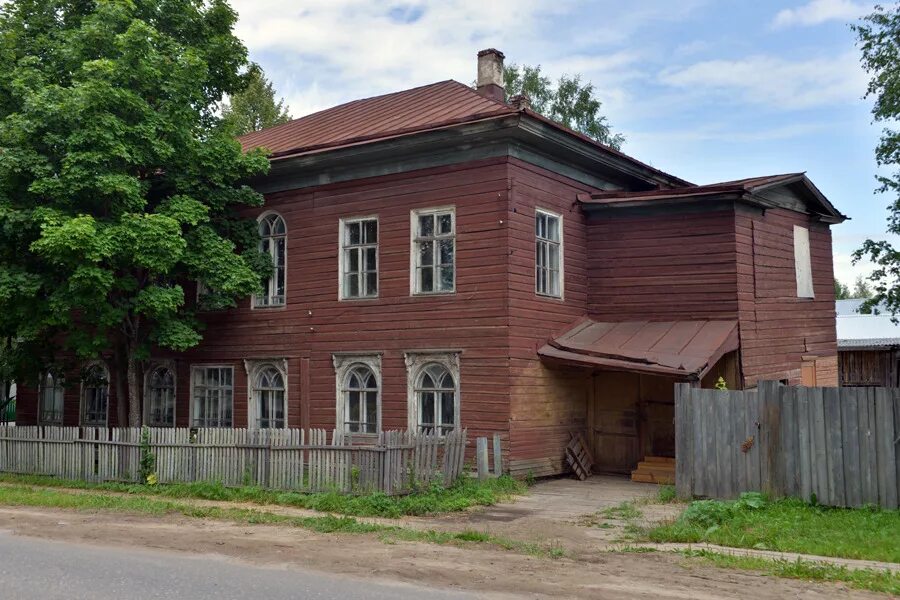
column 839, row 445
column 290, row 459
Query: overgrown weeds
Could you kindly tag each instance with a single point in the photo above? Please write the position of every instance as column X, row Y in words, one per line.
column 787, row 525
column 437, row 499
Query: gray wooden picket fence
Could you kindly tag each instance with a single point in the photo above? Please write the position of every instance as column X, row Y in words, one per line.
column 838, row 445
column 393, row 462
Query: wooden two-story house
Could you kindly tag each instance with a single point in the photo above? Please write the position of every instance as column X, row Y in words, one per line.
column 445, row 258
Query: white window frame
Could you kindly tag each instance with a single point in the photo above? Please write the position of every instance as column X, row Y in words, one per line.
column 343, row 364
column 343, row 245
column 193, row 410
column 154, row 366
column 253, row 367
column 416, row 362
column 414, row 250
column 803, row 263
column 265, row 302
column 83, row 388
column 545, row 241
column 59, row 390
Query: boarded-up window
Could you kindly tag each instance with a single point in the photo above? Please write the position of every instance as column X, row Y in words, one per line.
column 803, row 263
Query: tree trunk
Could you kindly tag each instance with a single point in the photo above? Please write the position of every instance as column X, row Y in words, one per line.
column 134, row 389
column 121, row 391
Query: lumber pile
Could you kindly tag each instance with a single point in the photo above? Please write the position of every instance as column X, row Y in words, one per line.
column 655, row 469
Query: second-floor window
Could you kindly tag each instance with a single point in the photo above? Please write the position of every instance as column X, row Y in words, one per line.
column 359, row 258
column 548, row 265
column 212, row 396
column 273, row 241
column 434, row 251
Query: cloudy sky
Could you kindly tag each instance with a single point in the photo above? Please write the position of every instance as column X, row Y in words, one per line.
column 710, row 90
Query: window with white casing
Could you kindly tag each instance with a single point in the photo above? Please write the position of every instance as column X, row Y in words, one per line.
column 548, row 264
column 803, row 263
column 268, row 393
column 52, row 394
column 160, row 396
column 273, row 241
column 433, row 251
column 94, row 395
column 359, row 258
column 433, row 389
column 358, row 385
column 212, row 396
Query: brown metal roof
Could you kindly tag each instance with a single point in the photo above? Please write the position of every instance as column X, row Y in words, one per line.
column 434, row 106
column 740, row 187
column 422, row 108
column 681, row 349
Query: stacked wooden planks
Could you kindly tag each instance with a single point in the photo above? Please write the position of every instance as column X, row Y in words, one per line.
column 655, row 469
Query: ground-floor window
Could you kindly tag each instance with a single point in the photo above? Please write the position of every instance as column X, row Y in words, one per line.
column 52, row 393
column 212, row 396
column 358, row 385
column 433, row 391
column 160, row 399
column 94, row 395
column 268, row 397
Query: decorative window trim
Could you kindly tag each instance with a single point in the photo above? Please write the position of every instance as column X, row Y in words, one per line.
column 252, row 367
column 254, row 300
column 81, row 389
column 562, row 254
column 343, row 364
column 413, row 249
column 59, row 384
column 803, row 263
column 416, row 360
column 152, row 366
column 193, row 371
column 342, row 245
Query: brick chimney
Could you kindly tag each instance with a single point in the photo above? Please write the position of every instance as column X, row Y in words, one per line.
column 490, row 75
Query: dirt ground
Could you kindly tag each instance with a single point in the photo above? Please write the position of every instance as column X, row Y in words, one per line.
column 568, row 518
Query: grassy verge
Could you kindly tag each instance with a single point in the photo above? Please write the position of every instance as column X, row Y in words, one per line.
column 788, row 526
column 466, row 493
column 864, row 579
column 24, row 495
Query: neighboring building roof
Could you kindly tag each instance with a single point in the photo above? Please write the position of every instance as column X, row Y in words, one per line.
column 849, row 306
column 426, row 108
column 741, row 187
column 866, row 331
column 682, row 349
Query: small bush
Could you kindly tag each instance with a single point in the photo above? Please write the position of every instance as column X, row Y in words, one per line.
column 666, row 494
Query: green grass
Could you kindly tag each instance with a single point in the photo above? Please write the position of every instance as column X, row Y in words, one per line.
column 25, row 495
column 788, row 525
column 864, row 579
column 666, row 494
column 465, row 494
column 624, row 511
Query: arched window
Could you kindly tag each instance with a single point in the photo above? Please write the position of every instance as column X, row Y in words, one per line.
column 273, row 241
column 161, row 397
column 52, row 394
column 360, row 400
column 436, row 397
column 358, row 386
column 268, row 398
column 94, row 395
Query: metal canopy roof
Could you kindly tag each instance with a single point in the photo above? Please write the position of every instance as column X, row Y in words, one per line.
column 681, row 349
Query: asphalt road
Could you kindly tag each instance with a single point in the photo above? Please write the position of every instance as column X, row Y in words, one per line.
column 46, row 570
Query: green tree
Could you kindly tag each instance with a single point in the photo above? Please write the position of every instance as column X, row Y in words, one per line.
column 570, row 102
column 117, row 180
column 254, row 107
column 841, row 291
column 878, row 37
column 861, row 288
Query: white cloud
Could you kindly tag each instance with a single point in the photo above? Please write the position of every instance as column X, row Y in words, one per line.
column 778, row 83
column 817, row 12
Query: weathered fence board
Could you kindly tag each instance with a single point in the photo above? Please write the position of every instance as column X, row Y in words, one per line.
column 839, row 445
column 291, row 459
